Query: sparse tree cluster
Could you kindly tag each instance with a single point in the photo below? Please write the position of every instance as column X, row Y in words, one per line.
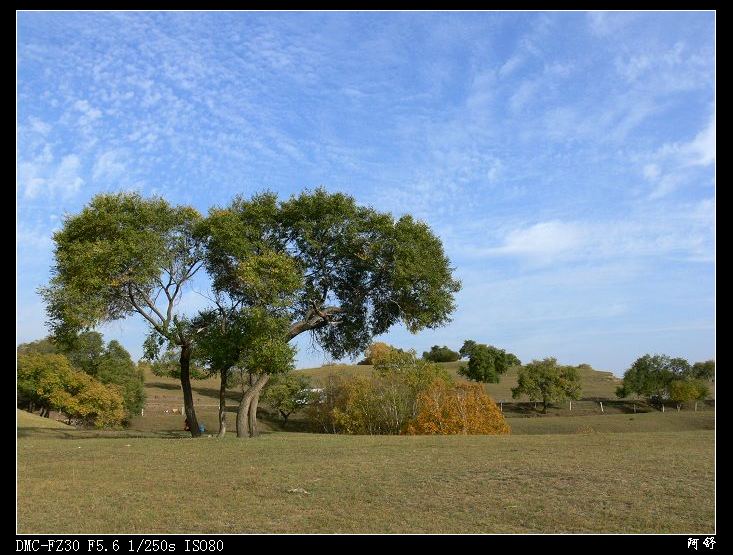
column 660, row 377
column 548, row 382
column 49, row 382
column 111, row 365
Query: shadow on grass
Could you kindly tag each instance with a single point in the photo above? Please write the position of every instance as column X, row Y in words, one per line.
column 58, row 433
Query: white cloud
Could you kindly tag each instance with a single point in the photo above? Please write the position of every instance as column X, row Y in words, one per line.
column 673, row 162
column 524, row 94
column 494, row 171
column 109, row 166
column 542, row 241
column 511, row 65
column 41, row 176
column 39, row 126
column 701, row 151
column 33, row 239
column 651, row 171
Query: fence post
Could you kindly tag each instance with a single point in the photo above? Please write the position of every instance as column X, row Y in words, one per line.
column 501, row 405
column 695, row 406
column 142, row 412
column 662, row 407
column 601, row 403
column 571, row 404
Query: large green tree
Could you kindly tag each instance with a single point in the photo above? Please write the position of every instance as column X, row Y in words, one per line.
column 124, row 255
column 703, row 370
column 440, row 354
column 651, row 375
column 547, row 381
column 355, row 271
column 486, row 363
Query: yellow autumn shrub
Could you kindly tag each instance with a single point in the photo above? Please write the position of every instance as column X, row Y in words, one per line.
column 461, row 409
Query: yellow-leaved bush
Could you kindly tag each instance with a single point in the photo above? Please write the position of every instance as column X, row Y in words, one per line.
column 445, row 409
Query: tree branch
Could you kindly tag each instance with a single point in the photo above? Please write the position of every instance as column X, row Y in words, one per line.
column 147, row 316
column 151, row 305
column 314, row 319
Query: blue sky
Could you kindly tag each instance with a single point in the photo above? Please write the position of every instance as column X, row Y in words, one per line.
column 566, row 159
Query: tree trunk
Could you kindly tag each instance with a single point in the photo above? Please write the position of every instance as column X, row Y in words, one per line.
column 223, row 404
column 252, row 412
column 187, row 393
column 544, row 406
column 285, row 418
column 246, row 421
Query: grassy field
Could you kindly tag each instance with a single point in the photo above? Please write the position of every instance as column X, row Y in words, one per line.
column 163, row 406
column 603, row 482
column 646, row 472
column 27, row 420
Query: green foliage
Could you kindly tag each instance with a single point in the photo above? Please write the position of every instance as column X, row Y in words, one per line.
column 344, row 272
column 40, row 346
column 84, row 351
column 651, row 375
column 486, row 363
column 117, row 368
column 110, row 365
column 168, row 365
column 322, row 405
column 467, row 348
column 681, row 391
column 546, row 381
column 115, row 258
column 287, row 393
column 49, row 381
column 265, row 347
column 440, row 354
column 703, row 370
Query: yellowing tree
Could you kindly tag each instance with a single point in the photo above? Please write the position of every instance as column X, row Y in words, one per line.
column 377, row 352
column 461, row 409
column 51, row 382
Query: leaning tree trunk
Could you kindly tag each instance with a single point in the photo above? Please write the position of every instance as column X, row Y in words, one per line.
column 223, row 404
column 247, row 410
column 252, row 411
column 187, row 392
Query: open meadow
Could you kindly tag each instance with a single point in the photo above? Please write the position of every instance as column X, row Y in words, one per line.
column 611, row 472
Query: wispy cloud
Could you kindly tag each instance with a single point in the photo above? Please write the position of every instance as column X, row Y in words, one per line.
column 674, row 164
column 43, row 176
column 539, row 146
